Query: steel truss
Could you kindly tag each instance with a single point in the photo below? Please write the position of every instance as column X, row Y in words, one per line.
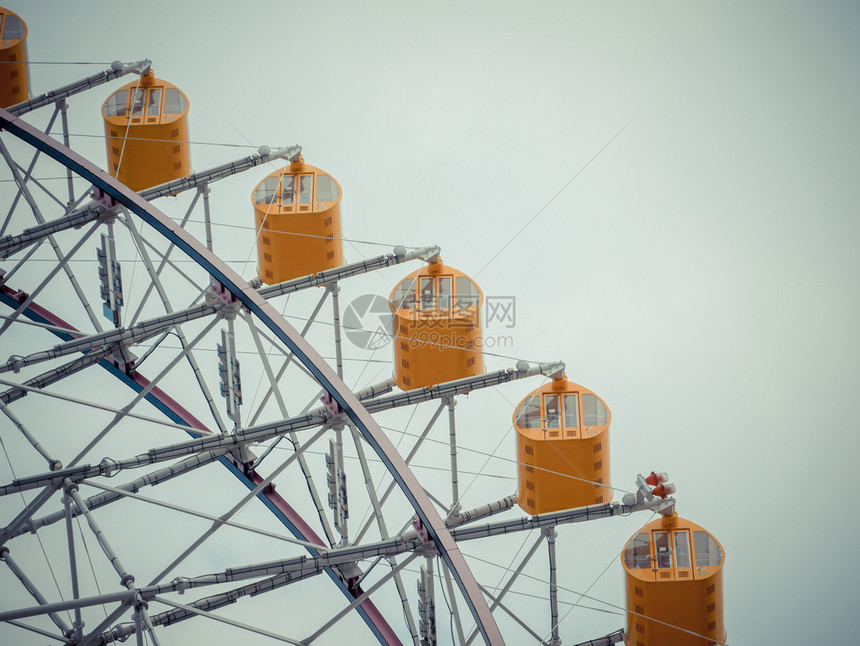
column 54, row 340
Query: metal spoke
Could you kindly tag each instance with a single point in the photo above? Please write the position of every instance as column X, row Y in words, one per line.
column 231, row 622
column 63, row 264
column 63, row 259
column 156, row 281
column 362, row 597
column 28, row 585
column 236, row 508
column 179, row 268
column 26, row 177
column 289, row 358
column 306, row 471
column 164, row 261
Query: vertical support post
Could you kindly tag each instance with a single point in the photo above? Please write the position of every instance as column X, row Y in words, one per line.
column 228, row 368
column 73, row 564
column 452, row 436
column 110, row 276
column 64, row 108
column 235, row 380
column 334, row 288
column 138, row 626
column 148, row 623
column 551, row 534
column 204, row 190
column 337, row 498
column 427, row 604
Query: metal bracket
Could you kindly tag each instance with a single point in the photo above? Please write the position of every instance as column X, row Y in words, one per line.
column 103, row 198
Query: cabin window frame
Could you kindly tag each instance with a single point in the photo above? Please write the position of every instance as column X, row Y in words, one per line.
column 20, row 26
column 333, row 191
column 305, row 195
column 181, row 102
column 708, row 553
column 149, row 92
column 600, row 415
column 133, row 103
column 525, row 416
column 634, row 557
column 270, row 194
column 118, row 108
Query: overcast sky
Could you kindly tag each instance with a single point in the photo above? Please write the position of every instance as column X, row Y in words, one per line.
column 667, row 189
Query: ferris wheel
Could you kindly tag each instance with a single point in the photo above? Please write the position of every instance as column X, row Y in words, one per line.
column 187, row 463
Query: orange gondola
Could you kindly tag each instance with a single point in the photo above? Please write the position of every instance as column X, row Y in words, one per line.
column 146, row 129
column 437, row 327
column 297, row 215
column 562, row 448
column 674, row 574
column 14, row 74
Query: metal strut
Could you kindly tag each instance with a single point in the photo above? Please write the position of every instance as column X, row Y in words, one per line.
column 321, row 372
column 116, row 70
column 104, row 206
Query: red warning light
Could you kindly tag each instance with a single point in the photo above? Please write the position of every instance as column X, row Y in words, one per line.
column 664, row 490
column 657, row 478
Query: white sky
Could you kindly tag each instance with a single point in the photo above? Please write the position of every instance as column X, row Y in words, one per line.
column 698, row 274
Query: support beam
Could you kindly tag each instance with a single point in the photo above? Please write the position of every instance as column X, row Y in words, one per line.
column 265, row 432
column 53, row 376
column 399, row 255
column 73, row 563
column 115, row 337
column 461, row 386
column 124, row 596
column 458, row 517
column 126, row 578
column 578, row 515
column 14, row 243
column 102, row 499
column 39, row 631
column 116, row 70
column 297, row 565
column 334, row 288
column 550, row 534
column 414, row 493
column 452, row 443
column 53, row 463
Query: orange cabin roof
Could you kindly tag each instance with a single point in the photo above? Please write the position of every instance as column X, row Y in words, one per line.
column 296, row 188
column 565, row 405
column 13, row 29
column 436, row 287
column 672, row 543
column 145, row 101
